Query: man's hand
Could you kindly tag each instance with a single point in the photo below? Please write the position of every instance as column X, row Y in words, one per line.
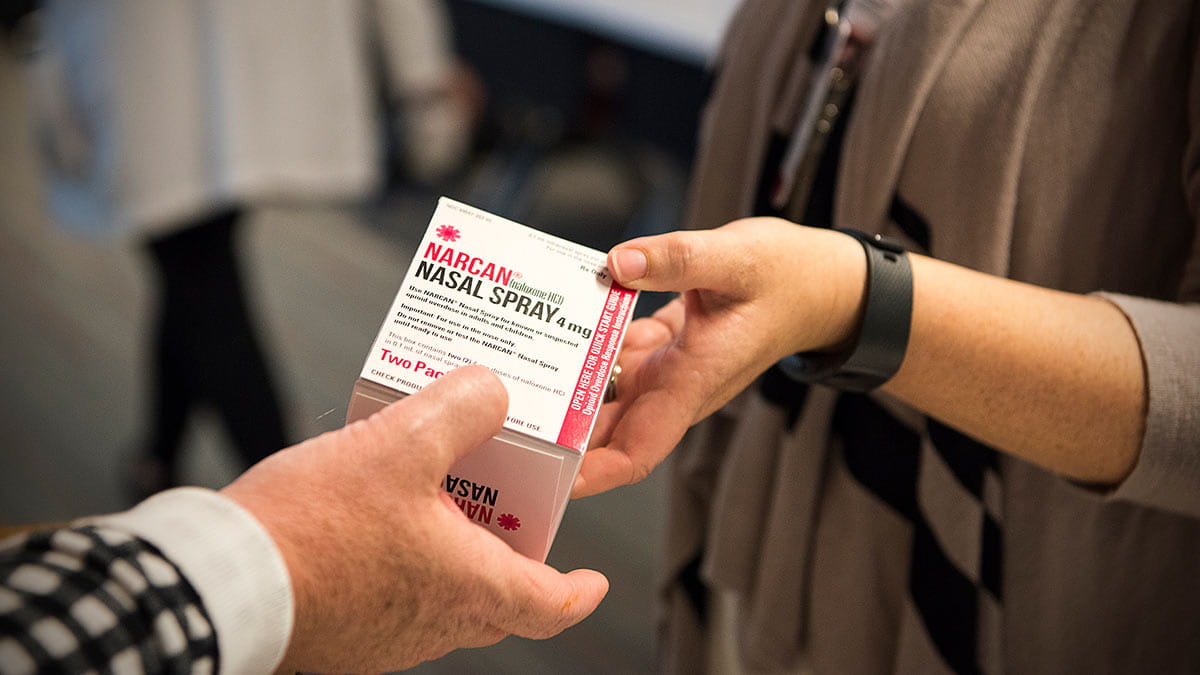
column 387, row 572
column 753, row 292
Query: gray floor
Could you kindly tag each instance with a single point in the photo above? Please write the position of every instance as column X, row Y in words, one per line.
column 73, row 340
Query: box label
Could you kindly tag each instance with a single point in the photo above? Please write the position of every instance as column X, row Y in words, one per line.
column 511, row 491
column 540, row 311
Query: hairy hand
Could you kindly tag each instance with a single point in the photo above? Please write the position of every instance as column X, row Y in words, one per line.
column 387, row 572
column 753, row 292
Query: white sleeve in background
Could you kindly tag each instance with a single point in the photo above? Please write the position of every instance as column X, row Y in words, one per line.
column 233, row 564
column 415, row 38
column 434, row 127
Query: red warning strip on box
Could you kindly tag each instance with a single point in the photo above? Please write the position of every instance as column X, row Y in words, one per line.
column 593, row 376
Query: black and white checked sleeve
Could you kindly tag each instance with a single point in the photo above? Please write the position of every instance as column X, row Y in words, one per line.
column 186, row 582
column 96, row 598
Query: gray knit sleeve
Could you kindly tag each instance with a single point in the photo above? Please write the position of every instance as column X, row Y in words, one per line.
column 1167, row 473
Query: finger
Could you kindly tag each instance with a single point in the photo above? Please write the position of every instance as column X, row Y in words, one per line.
column 447, row 419
column 649, row 429
column 672, row 315
column 606, row 419
column 545, row 602
column 603, row 469
column 680, row 261
column 656, row 330
column 644, row 333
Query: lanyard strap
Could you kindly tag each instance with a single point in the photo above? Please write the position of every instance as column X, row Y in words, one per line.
column 850, row 29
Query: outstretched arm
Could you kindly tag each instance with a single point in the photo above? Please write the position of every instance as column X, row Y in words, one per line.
column 1055, row 378
column 338, row 554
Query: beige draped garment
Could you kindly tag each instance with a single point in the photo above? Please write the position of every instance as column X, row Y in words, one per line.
column 1051, row 141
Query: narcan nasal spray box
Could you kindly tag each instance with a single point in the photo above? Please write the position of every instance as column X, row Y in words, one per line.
column 545, row 316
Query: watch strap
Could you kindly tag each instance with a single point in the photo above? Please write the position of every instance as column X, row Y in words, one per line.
column 882, row 337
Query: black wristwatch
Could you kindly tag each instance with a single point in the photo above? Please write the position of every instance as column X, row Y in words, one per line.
column 882, row 337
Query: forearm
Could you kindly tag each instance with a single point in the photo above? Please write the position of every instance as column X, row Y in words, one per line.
column 1051, row 377
column 1054, row 378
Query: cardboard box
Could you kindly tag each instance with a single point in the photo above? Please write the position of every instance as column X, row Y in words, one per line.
column 545, row 316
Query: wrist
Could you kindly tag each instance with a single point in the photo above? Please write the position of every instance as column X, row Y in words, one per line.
column 844, row 284
column 868, row 349
column 277, row 516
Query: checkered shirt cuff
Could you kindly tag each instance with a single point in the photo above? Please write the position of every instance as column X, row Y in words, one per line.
column 186, row 582
column 232, row 562
column 100, row 600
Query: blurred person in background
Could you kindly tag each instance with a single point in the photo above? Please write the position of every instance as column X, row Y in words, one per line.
column 169, row 121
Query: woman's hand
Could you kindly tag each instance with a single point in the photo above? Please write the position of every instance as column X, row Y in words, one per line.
column 753, row 292
column 1051, row 377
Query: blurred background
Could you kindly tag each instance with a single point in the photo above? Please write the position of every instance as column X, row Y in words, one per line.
column 183, row 175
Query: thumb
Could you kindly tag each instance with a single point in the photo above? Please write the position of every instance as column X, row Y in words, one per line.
column 449, row 418
column 678, row 261
column 545, row 602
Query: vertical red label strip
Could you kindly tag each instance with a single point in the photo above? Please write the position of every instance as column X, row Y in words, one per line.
column 597, row 364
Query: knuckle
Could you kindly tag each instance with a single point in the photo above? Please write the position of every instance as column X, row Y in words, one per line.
column 546, row 610
column 639, row 471
column 406, row 425
column 681, row 252
column 364, row 434
column 553, row 620
column 419, row 422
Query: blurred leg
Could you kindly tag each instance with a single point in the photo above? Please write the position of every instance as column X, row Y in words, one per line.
column 238, row 382
column 206, row 349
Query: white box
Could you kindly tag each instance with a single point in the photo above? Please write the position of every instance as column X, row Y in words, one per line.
column 546, row 317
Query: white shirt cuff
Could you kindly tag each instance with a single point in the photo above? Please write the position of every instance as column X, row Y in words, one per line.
column 233, row 564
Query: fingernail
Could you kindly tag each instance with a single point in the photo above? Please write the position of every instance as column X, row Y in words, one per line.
column 629, row 264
